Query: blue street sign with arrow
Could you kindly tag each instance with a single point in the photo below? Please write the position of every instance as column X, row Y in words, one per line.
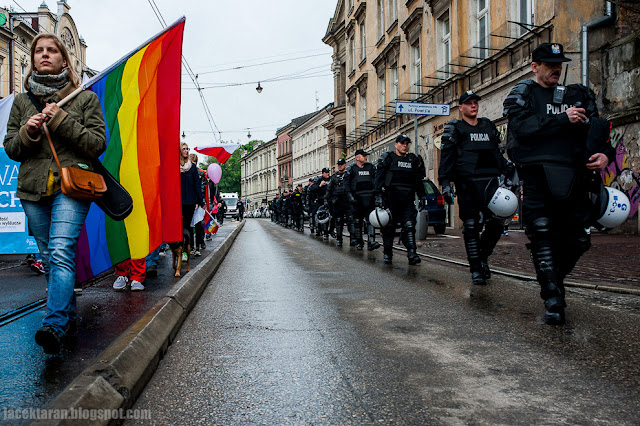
column 421, row 108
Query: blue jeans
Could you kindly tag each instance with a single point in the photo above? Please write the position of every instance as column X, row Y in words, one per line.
column 55, row 223
column 152, row 258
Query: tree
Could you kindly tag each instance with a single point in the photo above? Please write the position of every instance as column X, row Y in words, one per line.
column 231, row 174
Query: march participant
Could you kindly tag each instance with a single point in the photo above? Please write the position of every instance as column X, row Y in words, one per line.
column 337, row 199
column 398, row 178
column 471, row 158
column 360, row 179
column 548, row 140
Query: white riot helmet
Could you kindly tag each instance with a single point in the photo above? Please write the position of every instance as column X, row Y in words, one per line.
column 380, row 217
column 616, row 208
column 323, row 215
column 503, row 203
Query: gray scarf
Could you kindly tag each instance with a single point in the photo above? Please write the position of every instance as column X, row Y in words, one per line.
column 47, row 84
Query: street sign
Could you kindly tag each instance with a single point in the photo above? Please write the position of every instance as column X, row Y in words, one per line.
column 421, row 109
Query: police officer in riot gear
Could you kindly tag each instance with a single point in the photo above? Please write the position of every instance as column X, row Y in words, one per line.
column 297, row 208
column 360, row 177
column 398, row 178
column 273, row 210
column 307, row 206
column 337, row 199
column 471, row 158
column 547, row 135
column 317, row 192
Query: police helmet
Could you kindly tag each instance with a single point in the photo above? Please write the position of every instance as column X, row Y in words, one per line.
column 323, row 215
column 503, row 203
column 614, row 207
column 380, row 217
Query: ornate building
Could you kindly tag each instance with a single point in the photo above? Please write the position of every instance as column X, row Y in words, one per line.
column 259, row 181
column 310, row 151
column 17, row 31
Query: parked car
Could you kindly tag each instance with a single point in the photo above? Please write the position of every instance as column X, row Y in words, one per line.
column 435, row 207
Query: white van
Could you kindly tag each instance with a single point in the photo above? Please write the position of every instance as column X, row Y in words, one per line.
column 231, row 199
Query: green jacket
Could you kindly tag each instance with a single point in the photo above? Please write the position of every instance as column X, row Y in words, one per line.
column 77, row 132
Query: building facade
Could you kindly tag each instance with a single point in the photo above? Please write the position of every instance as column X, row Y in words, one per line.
column 259, row 177
column 17, row 31
column 431, row 51
column 310, row 151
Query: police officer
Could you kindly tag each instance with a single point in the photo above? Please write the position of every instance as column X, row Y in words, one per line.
column 547, row 140
column 297, row 208
column 279, row 207
column 306, row 205
column 286, row 209
column 398, row 178
column 360, row 177
column 337, row 199
column 317, row 192
column 471, row 158
column 273, row 210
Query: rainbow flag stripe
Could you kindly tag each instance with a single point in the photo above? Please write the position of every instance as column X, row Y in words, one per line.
column 140, row 98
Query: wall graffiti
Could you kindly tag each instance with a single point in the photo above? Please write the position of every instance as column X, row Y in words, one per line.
column 619, row 174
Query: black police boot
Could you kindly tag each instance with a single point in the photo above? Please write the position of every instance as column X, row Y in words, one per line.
column 339, row 229
column 472, row 246
column 372, row 244
column 486, row 272
column 357, row 231
column 351, row 227
column 387, row 241
column 551, row 288
column 410, row 244
column 488, row 240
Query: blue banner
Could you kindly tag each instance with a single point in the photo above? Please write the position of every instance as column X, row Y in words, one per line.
column 14, row 235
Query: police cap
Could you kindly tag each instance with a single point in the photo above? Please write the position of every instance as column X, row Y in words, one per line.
column 549, row 52
column 467, row 96
column 402, row 138
column 361, row 152
column 341, row 161
column 326, row 170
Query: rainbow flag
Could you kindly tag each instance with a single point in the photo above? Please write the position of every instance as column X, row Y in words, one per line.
column 140, row 98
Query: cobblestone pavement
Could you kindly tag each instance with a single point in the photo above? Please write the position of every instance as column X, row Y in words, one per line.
column 613, row 258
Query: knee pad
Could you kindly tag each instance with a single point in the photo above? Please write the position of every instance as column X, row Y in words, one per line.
column 408, row 226
column 471, row 226
column 539, row 229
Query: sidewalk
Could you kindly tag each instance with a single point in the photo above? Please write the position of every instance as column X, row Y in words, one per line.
column 611, row 261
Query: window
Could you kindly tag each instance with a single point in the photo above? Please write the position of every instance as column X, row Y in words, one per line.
column 393, row 10
column 527, row 8
column 382, row 95
column 352, row 117
column 483, row 28
column 445, row 43
column 416, row 65
column 381, row 19
column 352, row 54
column 363, row 42
column 395, row 84
column 363, row 108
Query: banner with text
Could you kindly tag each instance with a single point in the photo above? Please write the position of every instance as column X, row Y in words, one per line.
column 14, row 237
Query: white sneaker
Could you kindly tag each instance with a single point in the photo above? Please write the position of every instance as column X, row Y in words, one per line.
column 196, row 253
column 136, row 286
column 121, row 283
column 184, row 257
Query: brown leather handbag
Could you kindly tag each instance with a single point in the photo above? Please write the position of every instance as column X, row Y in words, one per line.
column 76, row 182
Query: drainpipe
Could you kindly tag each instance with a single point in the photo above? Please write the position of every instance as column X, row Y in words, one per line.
column 11, row 65
column 609, row 18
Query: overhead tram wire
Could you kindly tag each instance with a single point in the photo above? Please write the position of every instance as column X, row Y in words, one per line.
column 207, row 111
column 260, row 64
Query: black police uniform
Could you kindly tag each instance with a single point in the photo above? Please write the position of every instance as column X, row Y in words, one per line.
column 360, row 181
column 272, row 209
column 221, row 211
column 338, row 201
column 471, row 158
column 279, row 215
column 286, row 210
column 316, row 199
column 397, row 180
column 297, row 210
column 551, row 153
column 306, row 207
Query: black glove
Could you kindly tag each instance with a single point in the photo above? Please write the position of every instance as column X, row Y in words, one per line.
column 378, row 201
column 352, row 199
column 447, row 193
column 326, row 204
column 509, row 171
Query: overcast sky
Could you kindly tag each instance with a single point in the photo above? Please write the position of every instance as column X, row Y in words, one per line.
column 222, row 34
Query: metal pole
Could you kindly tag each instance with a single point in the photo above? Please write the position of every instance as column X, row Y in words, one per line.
column 415, row 133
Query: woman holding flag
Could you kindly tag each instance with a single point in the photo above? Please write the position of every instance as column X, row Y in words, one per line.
column 78, row 135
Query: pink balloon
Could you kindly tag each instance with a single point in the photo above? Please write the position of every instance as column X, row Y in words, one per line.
column 214, row 171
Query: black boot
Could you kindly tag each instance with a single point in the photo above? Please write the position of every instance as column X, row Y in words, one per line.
column 372, row 244
column 409, row 241
column 551, row 288
column 339, row 229
column 351, row 227
column 387, row 242
column 488, row 240
column 470, row 232
column 357, row 230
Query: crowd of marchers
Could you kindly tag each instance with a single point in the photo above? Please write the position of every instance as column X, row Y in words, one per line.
column 556, row 145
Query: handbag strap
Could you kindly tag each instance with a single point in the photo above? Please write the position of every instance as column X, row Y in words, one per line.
column 53, row 150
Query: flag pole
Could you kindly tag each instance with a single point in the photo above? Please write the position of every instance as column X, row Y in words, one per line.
column 116, row 64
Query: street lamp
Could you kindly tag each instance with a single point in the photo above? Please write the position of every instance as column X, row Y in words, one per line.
column 249, row 134
column 183, row 135
column 259, row 88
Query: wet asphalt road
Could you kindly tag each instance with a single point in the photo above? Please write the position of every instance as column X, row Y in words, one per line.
column 294, row 330
column 28, row 377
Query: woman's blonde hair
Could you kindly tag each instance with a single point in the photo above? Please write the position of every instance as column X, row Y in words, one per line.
column 182, row 159
column 73, row 77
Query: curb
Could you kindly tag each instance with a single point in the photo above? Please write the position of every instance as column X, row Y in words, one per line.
column 119, row 374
